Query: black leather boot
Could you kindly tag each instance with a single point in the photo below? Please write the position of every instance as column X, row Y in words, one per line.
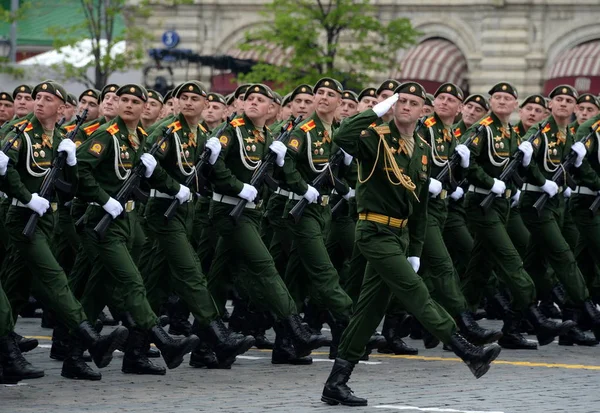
column 303, row 339
column 14, row 365
column 135, row 360
column 478, row 359
column 575, row 335
column 179, row 324
column 416, row 329
column 474, row 332
column 203, row 356
column 548, row 308
column 284, row 352
column 336, row 391
column 593, row 315
column 102, row 347
column 546, row 330
column 238, row 320
column 337, row 329
column 107, row 320
column 391, row 332
column 25, row 344
column 429, row 340
column 225, row 343
column 74, row 367
column 511, row 337
column 48, row 319
column 172, row 350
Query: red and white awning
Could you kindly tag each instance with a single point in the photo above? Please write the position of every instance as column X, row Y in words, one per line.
column 578, row 67
column 266, row 53
column 431, row 63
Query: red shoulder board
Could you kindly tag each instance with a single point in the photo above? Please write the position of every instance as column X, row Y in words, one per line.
column 237, row 122
column 516, row 129
column 202, row 128
column 372, row 125
column 113, row 129
column 175, row 125
column 142, row 131
column 29, row 127
column 308, row 126
column 596, row 125
column 572, row 128
column 487, row 121
column 69, row 128
column 546, row 129
column 430, row 122
column 457, row 133
column 92, row 128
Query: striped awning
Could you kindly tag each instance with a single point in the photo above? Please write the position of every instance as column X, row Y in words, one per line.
column 431, row 63
column 578, row 67
column 265, row 53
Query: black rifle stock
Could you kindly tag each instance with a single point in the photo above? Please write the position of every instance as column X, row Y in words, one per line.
column 18, row 132
column 131, row 185
column 510, row 170
column 260, row 177
column 51, row 180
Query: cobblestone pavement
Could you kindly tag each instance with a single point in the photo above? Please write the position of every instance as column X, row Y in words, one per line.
column 552, row 379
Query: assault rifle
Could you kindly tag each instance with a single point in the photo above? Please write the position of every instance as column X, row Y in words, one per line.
column 18, row 132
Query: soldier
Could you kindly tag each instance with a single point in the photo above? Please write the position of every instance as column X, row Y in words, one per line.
column 302, row 101
column 89, row 99
column 69, row 110
column 367, row 98
column 384, row 91
column 286, row 108
column 532, row 111
column 230, row 100
column 31, row 157
column 215, row 112
column 22, row 106
column 106, row 161
column 394, row 173
column 348, row 106
column 169, row 105
column 587, row 108
column 7, row 108
column 493, row 250
column 238, row 96
column 428, row 108
column 152, row 110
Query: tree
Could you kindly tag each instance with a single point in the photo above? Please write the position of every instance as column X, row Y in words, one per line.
column 337, row 38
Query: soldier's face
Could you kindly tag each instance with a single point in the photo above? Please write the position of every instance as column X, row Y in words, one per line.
column 562, row 106
column 427, row 110
column 91, row 104
column 327, row 101
column 47, row 106
column 585, row 111
column 447, row 105
column 169, row 107
column 130, row 108
column 110, row 105
column 68, row 111
column 191, row 104
column 408, row 108
column 214, row 112
column 472, row 112
column 366, row 103
column 257, row 106
column 503, row 103
column 239, row 105
column 531, row 114
column 7, row 111
column 152, row 110
column 302, row 105
column 23, row 104
column 285, row 112
column 348, row 108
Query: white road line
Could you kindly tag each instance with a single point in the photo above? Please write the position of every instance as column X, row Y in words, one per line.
column 431, row 409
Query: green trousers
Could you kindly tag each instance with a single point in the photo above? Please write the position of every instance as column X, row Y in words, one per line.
column 319, row 280
column 388, row 272
column 65, row 240
column 340, row 244
column 204, row 235
column 176, row 267
column 37, row 270
column 493, row 251
column 244, row 251
column 588, row 245
column 280, row 243
column 548, row 248
column 114, row 271
column 457, row 238
column 7, row 323
column 517, row 231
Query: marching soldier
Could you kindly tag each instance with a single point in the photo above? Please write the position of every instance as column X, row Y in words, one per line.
column 22, row 107
column 151, row 113
column 215, row 112
column 587, row 108
column 367, row 98
column 428, row 108
column 7, row 108
column 348, row 107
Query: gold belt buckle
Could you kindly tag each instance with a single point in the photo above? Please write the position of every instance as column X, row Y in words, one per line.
column 54, row 206
column 443, row 194
column 507, row 193
column 324, row 200
column 129, row 206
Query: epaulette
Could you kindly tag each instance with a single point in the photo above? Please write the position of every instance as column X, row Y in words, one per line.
column 372, row 125
column 382, row 129
column 308, row 126
column 113, row 129
column 572, row 129
column 142, row 131
column 19, row 123
column 429, row 122
column 237, row 122
column 596, row 125
column 69, row 128
column 487, row 121
column 91, row 129
column 457, row 133
column 516, row 129
column 175, row 125
column 29, row 127
column 546, row 129
column 202, row 128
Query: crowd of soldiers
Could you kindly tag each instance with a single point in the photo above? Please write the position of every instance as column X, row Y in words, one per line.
column 350, row 208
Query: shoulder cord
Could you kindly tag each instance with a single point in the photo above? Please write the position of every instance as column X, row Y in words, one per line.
column 29, row 158
column 118, row 162
column 248, row 163
column 492, row 151
column 179, row 152
column 440, row 163
column 309, row 155
column 598, row 146
column 547, row 166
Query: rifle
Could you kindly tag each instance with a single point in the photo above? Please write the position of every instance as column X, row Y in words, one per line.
column 131, row 185
column 51, row 180
column 63, row 119
column 262, row 173
column 200, row 164
column 18, row 132
column 446, row 172
column 562, row 174
column 510, row 171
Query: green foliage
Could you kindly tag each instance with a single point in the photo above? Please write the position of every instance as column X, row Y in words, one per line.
column 338, row 38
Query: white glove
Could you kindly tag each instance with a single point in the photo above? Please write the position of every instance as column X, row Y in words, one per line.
column 280, row 150
column 567, row 193
column 215, row 149
column 579, row 149
column 351, row 194
column 382, row 108
column 311, row 195
column 499, row 187
column 457, row 194
column 3, row 163
column 149, row 162
column 38, row 204
column 248, row 193
column 464, row 154
column 515, row 199
column 435, row 187
column 183, row 195
column 347, row 158
column 550, row 187
column 415, row 263
column 113, row 207
column 527, row 150
column 68, row 146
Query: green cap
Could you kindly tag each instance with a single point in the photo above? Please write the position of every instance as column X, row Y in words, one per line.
column 22, row 89
column 277, row 98
column 588, row 98
column 71, row 99
column 217, row 98
column 168, row 95
column 350, row 95
column 451, row 89
column 536, row 99
column 110, row 88
column 389, row 84
column 241, row 90
column 55, row 89
column 329, row 83
column 429, row 99
column 370, row 92
column 286, row 99
column 6, row 96
column 479, row 99
column 153, row 94
column 412, row 88
column 504, row 87
column 95, row 93
column 229, row 99
column 191, row 86
column 133, row 89
column 564, row 90
column 260, row 89
column 303, row 88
